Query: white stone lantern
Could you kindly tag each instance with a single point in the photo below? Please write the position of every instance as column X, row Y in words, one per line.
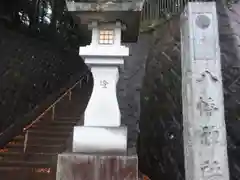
column 102, row 130
column 107, row 24
column 104, row 56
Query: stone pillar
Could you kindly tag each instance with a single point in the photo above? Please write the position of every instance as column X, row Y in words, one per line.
column 202, row 94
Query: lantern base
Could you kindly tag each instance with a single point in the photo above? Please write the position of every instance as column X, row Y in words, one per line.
column 100, row 140
column 73, row 166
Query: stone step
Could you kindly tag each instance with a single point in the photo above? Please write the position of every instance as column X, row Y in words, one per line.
column 46, row 140
column 17, row 141
column 39, row 140
column 58, row 123
column 17, row 156
column 19, row 138
column 48, row 133
column 27, row 163
column 37, row 148
column 26, row 173
column 53, row 127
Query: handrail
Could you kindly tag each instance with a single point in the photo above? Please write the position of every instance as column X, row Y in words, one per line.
column 54, row 103
column 17, row 127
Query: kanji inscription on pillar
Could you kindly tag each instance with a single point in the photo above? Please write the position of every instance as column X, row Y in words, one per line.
column 210, row 136
column 207, row 75
column 211, row 170
column 203, row 106
column 210, row 167
column 206, row 106
column 206, row 103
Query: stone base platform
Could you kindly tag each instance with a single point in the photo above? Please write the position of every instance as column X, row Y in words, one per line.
column 75, row 166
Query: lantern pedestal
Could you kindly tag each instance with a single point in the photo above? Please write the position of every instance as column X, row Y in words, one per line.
column 93, row 167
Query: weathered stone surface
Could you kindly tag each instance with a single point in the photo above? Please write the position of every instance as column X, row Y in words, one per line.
column 160, row 143
column 204, row 132
column 93, row 167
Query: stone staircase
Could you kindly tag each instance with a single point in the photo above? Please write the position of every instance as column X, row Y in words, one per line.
column 33, row 153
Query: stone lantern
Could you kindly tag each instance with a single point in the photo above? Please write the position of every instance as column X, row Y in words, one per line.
column 99, row 147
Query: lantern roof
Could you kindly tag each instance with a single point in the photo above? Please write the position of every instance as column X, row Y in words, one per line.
column 128, row 12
